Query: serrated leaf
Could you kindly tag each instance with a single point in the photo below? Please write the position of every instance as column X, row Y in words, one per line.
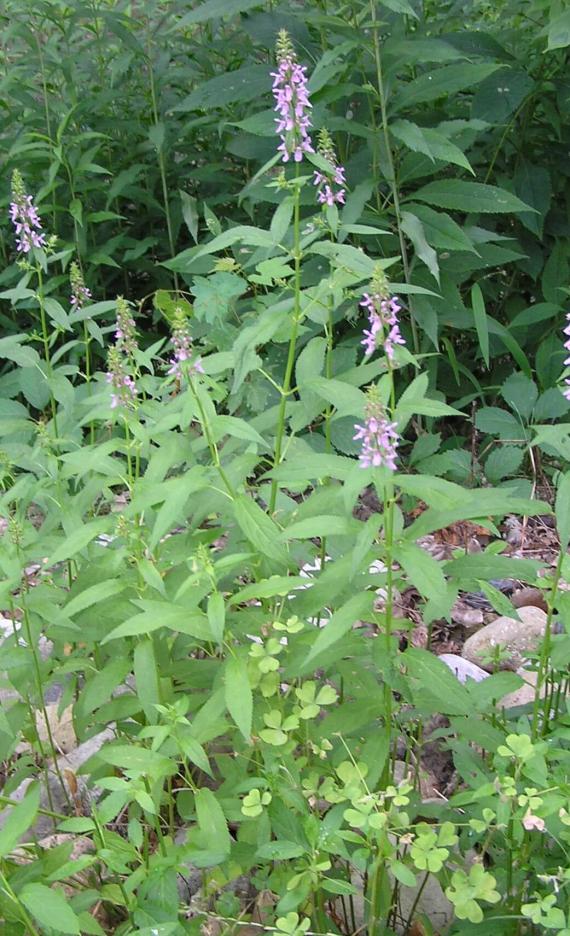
column 163, row 614
column 261, row 531
column 211, row 820
column 50, row 908
column 559, row 31
column 217, row 615
column 470, row 197
column 488, row 566
column 436, row 689
column 422, row 569
column 499, row 422
column 248, row 83
column 413, row 227
column 214, row 9
column 140, row 760
column 341, row 622
column 441, row 230
column 503, row 462
column 18, row 820
column 449, row 79
column 499, row 95
column 520, row 393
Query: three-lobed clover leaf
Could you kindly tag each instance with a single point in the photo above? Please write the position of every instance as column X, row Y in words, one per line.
column 519, row 746
column 466, row 890
column 292, row 925
column 311, row 701
column 428, row 851
column 265, row 655
column 277, row 727
column 544, row 912
column 253, row 803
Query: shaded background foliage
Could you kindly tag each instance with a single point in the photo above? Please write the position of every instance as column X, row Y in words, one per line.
column 142, row 127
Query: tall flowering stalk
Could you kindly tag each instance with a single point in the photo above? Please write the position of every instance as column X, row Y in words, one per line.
column 80, row 294
column 292, row 105
column 25, row 218
column 120, row 359
column 331, row 185
column 379, row 435
column 29, row 236
column 566, row 331
column 182, row 360
column 291, row 102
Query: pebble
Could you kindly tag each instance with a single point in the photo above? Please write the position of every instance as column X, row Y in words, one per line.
column 515, row 638
column 463, row 669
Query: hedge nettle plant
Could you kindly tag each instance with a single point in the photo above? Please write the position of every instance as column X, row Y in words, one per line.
column 212, row 593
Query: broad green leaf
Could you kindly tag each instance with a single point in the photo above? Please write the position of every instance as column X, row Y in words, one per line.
column 78, row 540
column 499, row 95
column 559, row 31
column 499, row 422
column 533, row 185
column 147, row 678
column 18, row 820
column 421, row 568
column 562, row 510
column 248, row 83
column 100, row 686
column 341, row 622
column 430, row 142
column 139, row 760
column 50, row 907
column 413, row 227
column 217, row 615
column 481, row 324
column 269, row 588
column 238, row 428
column 503, row 462
column 441, row 230
column 434, row 687
column 492, row 502
column 262, row 532
column 520, row 393
column 489, row 566
column 320, row 526
column 470, row 197
column 93, row 595
column 239, row 698
column 214, row 9
column 211, row 820
column 448, row 79
column 163, row 614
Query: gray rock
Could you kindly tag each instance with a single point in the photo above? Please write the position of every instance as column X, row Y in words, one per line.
column 514, row 638
column 463, row 669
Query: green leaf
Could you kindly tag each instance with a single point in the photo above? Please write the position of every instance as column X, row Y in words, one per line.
column 140, row 760
column 248, row 83
column 448, row 79
column 239, row 698
column 93, row 595
column 520, row 393
column 559, row 31
column 78, row 540
column 320, row 526
column 341, row 622
column 421, row 568
column 470, row 197
column 147, row 679
column 562, row 510
column 430, row 142
column 441, row 230
column 499, row 95
column 217, row 616
column 280, row 851
column 532, row 184
column 437, row 689
column 268, row 588
column 214, row 9
column 481, row 324
column 499, row 422
column 413, row 227
column 50, row 907
column 163, row 614
column 190, row 213
column 503, row 462
column 211, row 820
column 18, row 820
column 489, row 566
column 262, row 532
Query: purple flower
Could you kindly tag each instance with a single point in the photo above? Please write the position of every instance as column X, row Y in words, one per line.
column 25, row 218
column 125, row 328
column 124, row 391
column 383, row 319
column 566, row 331
column 291, row 102
column 182, row 345
column 331, row 184
column 79, row 292
column 379, row 437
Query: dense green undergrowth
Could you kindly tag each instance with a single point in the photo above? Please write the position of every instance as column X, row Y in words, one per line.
column 196, row 566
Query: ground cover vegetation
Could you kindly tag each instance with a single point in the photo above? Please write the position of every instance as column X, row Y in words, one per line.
column 284, row 411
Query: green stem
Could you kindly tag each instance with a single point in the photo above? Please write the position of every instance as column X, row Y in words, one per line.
column 214, row 452
column 40, row 691
column 47, row 355
column 545, row 651
column 390, row 157
column 292, row 340
column 26, row 918
column 161, row 164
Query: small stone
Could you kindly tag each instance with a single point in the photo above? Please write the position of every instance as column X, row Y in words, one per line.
column 526, row 597
column 463, row 669
column 514, row 639
column 526, row 693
